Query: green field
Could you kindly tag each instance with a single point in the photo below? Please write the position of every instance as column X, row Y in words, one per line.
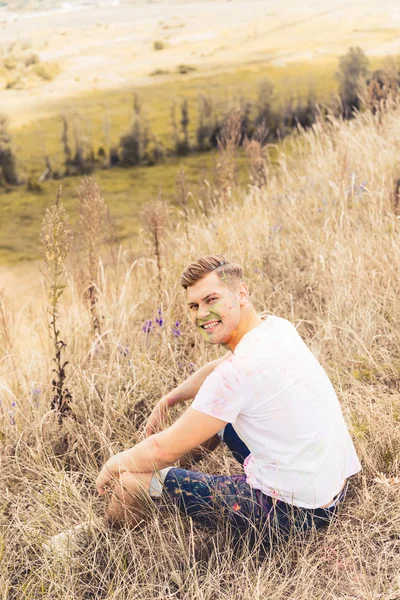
column 125, row 191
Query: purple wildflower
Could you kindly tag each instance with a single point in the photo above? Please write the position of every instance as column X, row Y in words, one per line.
column 148, row 326
column 35, row 393
column 124, row 350
column 159, row 319
column 176, row 330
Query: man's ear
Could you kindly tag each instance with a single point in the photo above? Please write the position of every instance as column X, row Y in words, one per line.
column 243, row 292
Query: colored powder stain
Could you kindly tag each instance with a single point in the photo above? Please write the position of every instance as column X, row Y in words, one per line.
column 236, row 506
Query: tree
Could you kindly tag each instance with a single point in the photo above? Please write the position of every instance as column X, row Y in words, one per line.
column 8, row 169
column 353, row 70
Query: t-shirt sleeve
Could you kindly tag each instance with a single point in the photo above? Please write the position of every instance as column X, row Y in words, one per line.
column 224, row 393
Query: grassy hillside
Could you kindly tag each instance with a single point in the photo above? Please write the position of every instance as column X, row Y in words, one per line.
column 114, row 110
column 125, row 190
column 320, row 247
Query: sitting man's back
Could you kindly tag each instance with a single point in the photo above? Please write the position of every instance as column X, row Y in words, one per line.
column 283, row 406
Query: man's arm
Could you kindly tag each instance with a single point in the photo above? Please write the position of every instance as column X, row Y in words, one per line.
column 162, row 449
column 183, row 392
column 188, row 460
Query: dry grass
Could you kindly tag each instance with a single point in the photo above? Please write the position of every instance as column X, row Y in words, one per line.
column 21, row 68
column 320, row 246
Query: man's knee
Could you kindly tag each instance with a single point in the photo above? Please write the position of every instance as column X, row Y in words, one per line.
column 128, row 498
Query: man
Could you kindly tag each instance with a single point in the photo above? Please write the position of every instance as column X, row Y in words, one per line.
column 268, row 398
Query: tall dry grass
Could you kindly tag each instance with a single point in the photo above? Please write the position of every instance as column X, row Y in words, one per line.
column 320, row 243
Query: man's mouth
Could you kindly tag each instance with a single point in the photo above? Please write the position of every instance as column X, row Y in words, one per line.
column 210, row 326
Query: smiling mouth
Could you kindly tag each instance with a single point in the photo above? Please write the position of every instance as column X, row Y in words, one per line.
column 211, row 326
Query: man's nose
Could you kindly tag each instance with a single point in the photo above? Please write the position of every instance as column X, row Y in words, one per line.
column 203, row 312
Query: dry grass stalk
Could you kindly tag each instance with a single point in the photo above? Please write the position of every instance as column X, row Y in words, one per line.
column 225, row 170
column 258, row 155
column 182, row 195
column 382, row 88
column 66, row 145
column 207, row 123
column 56, row 238
column 95, row 230
column 6, row 321
column 155, row 219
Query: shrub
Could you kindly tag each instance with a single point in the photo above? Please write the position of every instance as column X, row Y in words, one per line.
column 34, row 186
column 353, row 69
column 82, row 161
column 47, row 71
column 384, row 84
column 181, row 135
column 266, row 115
column 130, row 148
column 31, row 59
column 10, row 63
column 157, row 72
column 158, row 45
column 154, row 152
column 14, row 84
column 208, row 127
column 8, row 169
column 139, row 145
column 132, row 143
column 183, row 69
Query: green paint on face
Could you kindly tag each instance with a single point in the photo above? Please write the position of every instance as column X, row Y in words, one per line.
column 203, row 332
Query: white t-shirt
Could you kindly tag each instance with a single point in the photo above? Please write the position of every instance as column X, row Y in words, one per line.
column 284, row 408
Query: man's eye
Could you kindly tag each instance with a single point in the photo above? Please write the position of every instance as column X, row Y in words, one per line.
column 211, row 299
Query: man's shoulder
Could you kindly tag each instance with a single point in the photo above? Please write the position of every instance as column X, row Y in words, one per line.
column 234, row 367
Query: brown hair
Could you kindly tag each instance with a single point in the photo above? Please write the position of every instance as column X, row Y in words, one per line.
column 230, row 273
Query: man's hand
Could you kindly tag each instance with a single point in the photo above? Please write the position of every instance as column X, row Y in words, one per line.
column 158, row 417
column 112, row 470
column 162, row 450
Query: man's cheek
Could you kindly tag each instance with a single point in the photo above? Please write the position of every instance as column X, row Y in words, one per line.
column 203, row 333
column 226, row 310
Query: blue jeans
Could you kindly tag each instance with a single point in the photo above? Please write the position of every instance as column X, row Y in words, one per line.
column 211, row 498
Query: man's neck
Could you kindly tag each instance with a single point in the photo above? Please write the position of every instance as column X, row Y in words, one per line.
column 247, row 324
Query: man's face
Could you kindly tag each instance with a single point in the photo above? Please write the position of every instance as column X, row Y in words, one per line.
column 215, row 309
